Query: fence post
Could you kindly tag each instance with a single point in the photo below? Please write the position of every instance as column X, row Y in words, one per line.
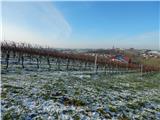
column 95, row 64
column 141, row 70
column 22, row 61
column 7, row 60
column 37, row 63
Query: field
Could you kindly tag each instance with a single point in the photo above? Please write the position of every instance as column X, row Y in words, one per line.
column 42, row 95
column 151, row 61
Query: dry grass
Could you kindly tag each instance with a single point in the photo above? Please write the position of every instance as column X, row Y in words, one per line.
column 151, row 61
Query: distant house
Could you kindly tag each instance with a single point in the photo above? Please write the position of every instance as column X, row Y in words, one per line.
column 121, row 58
column 151, row 53
column 154, row 53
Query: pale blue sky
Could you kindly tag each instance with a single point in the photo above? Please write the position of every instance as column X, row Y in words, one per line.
column 83, row 24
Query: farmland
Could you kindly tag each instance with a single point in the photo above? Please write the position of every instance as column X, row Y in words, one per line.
column 42, row 83
column 70, row 95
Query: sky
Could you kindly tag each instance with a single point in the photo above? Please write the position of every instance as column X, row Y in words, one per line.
column 82, row 24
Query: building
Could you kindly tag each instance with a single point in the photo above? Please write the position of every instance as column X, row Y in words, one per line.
column 121, row 58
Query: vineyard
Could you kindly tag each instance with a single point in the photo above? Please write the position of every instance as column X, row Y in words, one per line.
column 46, row 84
column 29, row 56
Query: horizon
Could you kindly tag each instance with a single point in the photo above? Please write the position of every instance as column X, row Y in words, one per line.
column 83, row 25
column 59, row 48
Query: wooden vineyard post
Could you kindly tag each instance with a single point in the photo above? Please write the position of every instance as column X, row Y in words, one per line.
column 30, row 57
column 116, row 68
column 127, row 67
column 68, row 63
column 59, row 62
column 85, row 65
column 97, row 68
column 48, row 61
column 19, row 58
column 80, row 65
column 37, row 63
column 7, row 60
column 73, row 62
column 105, row 69
column 22, row 61
column 95, row 64
column 141, row 71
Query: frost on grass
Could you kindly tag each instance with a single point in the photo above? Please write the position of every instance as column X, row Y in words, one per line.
column 60, row 95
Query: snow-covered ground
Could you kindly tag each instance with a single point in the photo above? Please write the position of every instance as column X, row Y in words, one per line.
column 50, row 95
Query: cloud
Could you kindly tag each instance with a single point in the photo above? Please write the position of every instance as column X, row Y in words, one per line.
column 34, row 22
